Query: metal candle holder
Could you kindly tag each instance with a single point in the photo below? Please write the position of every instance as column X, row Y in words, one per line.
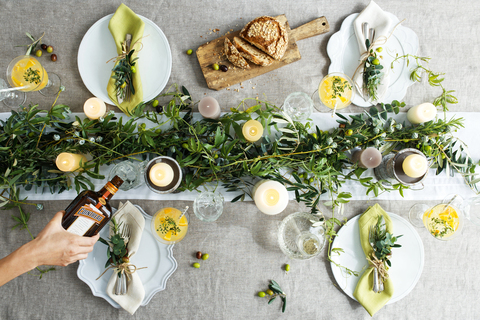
column 391, row 167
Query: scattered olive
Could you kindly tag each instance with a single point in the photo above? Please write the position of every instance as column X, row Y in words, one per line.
column 155, row 103
column 43, row 46
column 189, row 51
column 134, row 70
column 376, row 62
column 196, row 265
column 53, row 57
column 224, row 68
column 261, row 294
column 287, row 267
column 159, row 109
column 49, row 49
column 215, row 66
column 205, row 256
column 269, row 292
column 379, row 49
column 349, row 132
column 199, row 254
column 38, row 53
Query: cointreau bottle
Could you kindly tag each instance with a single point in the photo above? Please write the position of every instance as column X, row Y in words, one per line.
column 90, row 211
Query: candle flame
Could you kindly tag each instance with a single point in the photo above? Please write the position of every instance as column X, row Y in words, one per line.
column 271, row 197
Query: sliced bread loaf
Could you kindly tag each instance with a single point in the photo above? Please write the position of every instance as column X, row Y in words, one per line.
column 234, row 56
column 251, row 53
column 268, row 34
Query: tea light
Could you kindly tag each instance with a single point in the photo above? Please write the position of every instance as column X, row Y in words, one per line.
column 209, row 108
column 415, row 166
column 252, row 130
column 422, row 113
column 271, row 197
column 68, row 162
column 368, row 158
column 161, row 174
column 94, row 108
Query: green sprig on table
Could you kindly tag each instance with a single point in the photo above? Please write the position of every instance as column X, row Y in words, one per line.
column 372, row 72
column 382, row 241
column 276, row 291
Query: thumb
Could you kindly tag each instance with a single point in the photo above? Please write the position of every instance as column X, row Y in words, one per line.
column 57, row 218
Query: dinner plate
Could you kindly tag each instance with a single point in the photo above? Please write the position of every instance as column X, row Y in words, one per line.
column 407, row 261
column 342, row 49
column 97, row 47
column 156, row 256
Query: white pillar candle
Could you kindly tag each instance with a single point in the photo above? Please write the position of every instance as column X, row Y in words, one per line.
column 209, row 108
column 422, row 113
column 161, row 174
column 271, row 197
column 68, row 162
column 252, row 130
column 415, row 165
column 94, row 108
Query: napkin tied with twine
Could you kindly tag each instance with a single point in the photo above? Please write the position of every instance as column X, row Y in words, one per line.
column 371, row 301
column 127, row 214
column 126, row 21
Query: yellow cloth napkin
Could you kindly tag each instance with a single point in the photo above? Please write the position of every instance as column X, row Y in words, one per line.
column 371, row 301
column 126, row 21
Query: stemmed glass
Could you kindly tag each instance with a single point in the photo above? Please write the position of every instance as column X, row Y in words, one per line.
column 444, row 221
column 10, row 97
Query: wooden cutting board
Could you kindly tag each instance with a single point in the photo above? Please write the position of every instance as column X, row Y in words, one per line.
column 211, row 52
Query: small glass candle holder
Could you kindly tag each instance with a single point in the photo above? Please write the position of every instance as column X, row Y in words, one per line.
column 208, row 206
column 164, row 184
column 299, row 106
column 130, row 172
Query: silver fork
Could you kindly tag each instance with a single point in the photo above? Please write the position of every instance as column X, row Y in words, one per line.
column 377, row 281
column 121, row 284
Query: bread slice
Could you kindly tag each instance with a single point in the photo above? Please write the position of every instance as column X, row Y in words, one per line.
column 234, row 56
column 268, row 34
column 251, row 53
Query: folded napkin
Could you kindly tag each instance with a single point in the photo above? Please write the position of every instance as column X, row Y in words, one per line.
column 378, row 20
column 128, row 214
column 126, row 21
column 371, row 301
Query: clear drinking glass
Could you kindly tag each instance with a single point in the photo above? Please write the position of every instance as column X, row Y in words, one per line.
column 300, row 237
column 335, row 91
column 208, row 206
column 130, row 172
column 299, row 106
column 170, row 225
column 444, row 221
column 11, row 98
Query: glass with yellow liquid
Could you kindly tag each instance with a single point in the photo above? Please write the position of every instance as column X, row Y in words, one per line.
column 335, row 91
column 170, row 225
column 444, row 221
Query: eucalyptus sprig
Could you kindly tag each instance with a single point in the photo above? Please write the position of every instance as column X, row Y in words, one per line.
column 372, row 72
column 382, row 241
column 117, row 252
column 123, row 75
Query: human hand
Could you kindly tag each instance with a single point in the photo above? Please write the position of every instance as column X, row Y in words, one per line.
column 56, row 246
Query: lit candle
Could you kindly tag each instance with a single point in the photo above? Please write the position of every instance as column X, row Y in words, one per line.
column 68, row 162
column 252, row 130
column 209, row 108
column 94, row 108
column 368, row 158
column 422, row 113
column 271, row 197
column 415, row 165
column 161, row 174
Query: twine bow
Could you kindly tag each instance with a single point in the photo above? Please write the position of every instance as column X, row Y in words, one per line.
column 124, row 49
column 125, row 267
column 379, row 265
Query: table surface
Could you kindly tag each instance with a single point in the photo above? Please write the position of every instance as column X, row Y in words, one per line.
column 244, row 254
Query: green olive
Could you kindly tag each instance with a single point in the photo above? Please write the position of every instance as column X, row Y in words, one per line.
column 126, row 259
column 379, row 49
column 196, row 265
column 134, row 70
column 205, row 256
column 428, row 148
column 314, row 135
column 38, row 53
column 123, row 85
column 215, row 156
column 189, row 51
column 261, row 294
column 349, row 132
column 310, row 180
column 155, row 103
column 269, row 292
column 287, row 267
column 49, row 49
column 184, row 145
column 158, row 131
column 215, row 66
column 376, row 62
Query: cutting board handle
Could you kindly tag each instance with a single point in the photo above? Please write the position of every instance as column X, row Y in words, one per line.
column 310, row 29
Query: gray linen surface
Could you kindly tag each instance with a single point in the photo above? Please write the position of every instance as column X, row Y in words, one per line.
column 244, row 254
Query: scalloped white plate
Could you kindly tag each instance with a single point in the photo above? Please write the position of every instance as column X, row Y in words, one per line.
column 157, row 256
column 97, row 47
column 407, row 261
column 342, row 49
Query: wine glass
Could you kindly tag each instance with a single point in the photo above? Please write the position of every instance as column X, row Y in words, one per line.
column 27, row 74
column 10, row 97
column 444, row 221
column 335, row 91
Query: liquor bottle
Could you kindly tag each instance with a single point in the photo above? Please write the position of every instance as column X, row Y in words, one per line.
column 90, row 211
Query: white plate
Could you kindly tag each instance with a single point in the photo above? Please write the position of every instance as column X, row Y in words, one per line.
column 407, row 261
column 97, row 47
column 158, row 257
column 342, row 49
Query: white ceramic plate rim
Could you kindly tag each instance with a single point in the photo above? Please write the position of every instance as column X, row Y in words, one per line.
column 348, row 283
column 148, row 74
column 99, row 288
column 337, row 49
